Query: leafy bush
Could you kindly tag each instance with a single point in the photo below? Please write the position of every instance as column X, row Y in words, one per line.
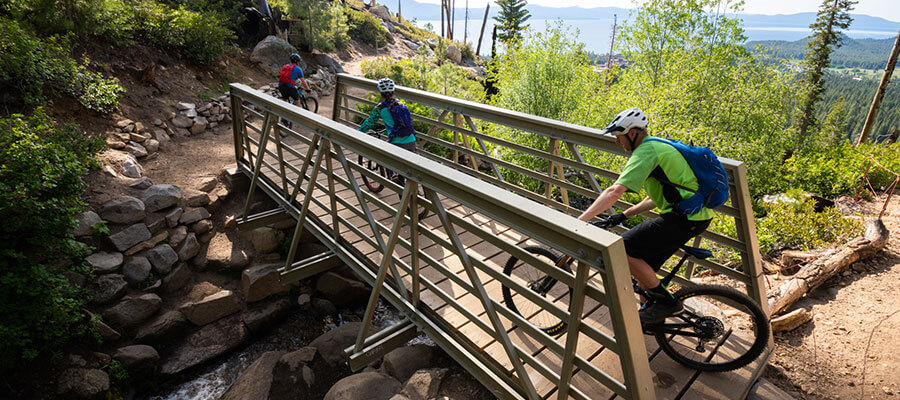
column 366, row 27
column 199, row 36
column 797, row 225
column 321, row 25
column 834, row 170
column 41, row 165
column 31, row 66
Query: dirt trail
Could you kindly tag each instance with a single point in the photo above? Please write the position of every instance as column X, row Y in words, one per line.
column 849, row 350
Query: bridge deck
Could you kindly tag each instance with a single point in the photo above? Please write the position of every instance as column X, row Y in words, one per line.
column 442, row 275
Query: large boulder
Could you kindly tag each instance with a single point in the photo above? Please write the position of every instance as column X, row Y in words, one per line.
column 264, row 239
column 133, row 310
column 190, row 247
column 331, row 344
column 403, row 362
column 260, row 318
column 303, row 374
column 82, row 383
column 211, row 307
column 177, row 278
column 130, row 237
column 158, row 197
column 272, row 53
column 262, row 281
column 382, row 12
column 341, row 290
column 163, row 329
column 223, row 251
column 123, row 210
column 328, row 63
column 131, row 167
column 364, row 386
column 136, row 270
column 86, row 221
column 138, row 359
column 256, row 380
column 454, row 54
column 183, row 122
column 209, row 342
column 104, row 262
column 107, row 288
column 193, row 214
column 424, row 384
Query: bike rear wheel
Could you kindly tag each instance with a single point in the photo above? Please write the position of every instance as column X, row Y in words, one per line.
column 542, row 284
column 720, row 329
column 373, row 185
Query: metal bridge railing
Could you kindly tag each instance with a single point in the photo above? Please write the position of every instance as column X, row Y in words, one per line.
column 444, row 272
column 458, row 126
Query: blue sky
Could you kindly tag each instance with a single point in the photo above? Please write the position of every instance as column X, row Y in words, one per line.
column 887, row 9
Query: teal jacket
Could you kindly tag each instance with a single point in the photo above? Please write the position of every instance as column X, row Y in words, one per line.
column 383, row 113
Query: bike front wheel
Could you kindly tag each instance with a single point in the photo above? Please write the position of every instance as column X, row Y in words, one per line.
column 720, row 329
column 541, row 284
column 310, row 104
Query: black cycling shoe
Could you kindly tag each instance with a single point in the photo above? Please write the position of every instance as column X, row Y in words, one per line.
column 658, row 312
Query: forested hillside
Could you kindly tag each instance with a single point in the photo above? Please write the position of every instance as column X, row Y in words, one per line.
column 849, row 98
column 853, row 53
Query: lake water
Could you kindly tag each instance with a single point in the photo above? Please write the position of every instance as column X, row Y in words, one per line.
column 595, row 33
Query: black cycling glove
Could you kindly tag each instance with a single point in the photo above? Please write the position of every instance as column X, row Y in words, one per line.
column 615, row 219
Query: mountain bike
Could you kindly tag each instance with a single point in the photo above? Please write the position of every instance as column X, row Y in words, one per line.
column 714, row 317
column 372, row 165
column 308, row 103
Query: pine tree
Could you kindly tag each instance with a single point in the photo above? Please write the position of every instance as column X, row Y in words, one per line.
column 511, row 19
column 832, row 17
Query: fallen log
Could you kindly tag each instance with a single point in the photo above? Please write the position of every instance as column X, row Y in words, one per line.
column 828, row 264
column 791, row 320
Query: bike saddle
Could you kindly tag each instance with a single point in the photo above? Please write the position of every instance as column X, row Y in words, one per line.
column 697, row 252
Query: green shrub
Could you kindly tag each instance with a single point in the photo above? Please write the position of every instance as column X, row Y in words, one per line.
column 834, row 170
column 31, row 67
column 797, row 225
column 198, row 36
column 41, row 164
column 366, row 27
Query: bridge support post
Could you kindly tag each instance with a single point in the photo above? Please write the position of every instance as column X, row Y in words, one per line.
column 576, row 308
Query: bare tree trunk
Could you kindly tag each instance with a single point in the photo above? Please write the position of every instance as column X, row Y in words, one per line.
column 466, row 26
column 483, row 25
column 829, row 264
column 894, row 135
column 879, row 94
column 399, row 15
column 442, row 17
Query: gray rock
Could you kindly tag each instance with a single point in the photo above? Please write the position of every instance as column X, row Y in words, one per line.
column 148, row 244
column 164, row 329
column 138, row 359
column 131, row 236
column 256, row 380
column 208, row 184
column 260, row 318
column 123, row 210
column 185, row 106
column 412, row 45
column 176, row 279
column 323, row 307
column 86, row 221
column 341, row 290
column 195, row 198
column 161, row 136
column 294, row 376
column 131, row 168
column 107, row 288
column 193, row 214
column 364, row 386
column 141, row 184
column 131, row 311
column 424, row 384
column 201, row 227
column 454, row 54
column 190, row 113
column 264, row 239
column 211, row 307
column 328, row 63
column 106, row 332
column 82, row 383
column 173, row 217
column 272, row 52
column 156, row 222
column 177, row 236
column 262, row 281
column 331, row 344
column 136, row 149
column 182, row 132
column 182, row 122
column 104, row 262
column 163, row 257
column 122, row 123
column 136, row 270
column 137, row 137
column 381, row 12
column 190, row 247
column 403, row 362
column 157, row 122
column 223, row 251
column 304, row 301
column 200, row 125
column 210, row 341
column 152, row 145
column 159, row 197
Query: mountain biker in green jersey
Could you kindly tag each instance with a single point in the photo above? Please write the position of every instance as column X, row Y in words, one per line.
column 405, row 138
column 650, row 243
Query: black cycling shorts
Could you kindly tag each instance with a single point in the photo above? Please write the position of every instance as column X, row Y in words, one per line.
column 288, row 92
column 657, row 239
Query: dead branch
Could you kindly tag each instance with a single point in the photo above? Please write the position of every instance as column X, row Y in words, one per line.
column 827, row 265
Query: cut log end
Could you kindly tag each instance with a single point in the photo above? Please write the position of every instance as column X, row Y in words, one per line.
column 791, row 320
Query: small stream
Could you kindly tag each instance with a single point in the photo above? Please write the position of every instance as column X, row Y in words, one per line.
column 212, row 380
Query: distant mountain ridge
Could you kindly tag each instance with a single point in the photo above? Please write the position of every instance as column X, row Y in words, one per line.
column 853, row 53
column 424, row 11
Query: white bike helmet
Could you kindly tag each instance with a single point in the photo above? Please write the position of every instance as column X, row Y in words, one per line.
column 630, row 118
column 385, row 85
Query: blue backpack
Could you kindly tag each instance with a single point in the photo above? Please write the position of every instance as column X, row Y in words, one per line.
column 713, row 190
column 403, row 125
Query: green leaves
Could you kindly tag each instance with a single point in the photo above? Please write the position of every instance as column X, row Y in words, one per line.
column 511, row 19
